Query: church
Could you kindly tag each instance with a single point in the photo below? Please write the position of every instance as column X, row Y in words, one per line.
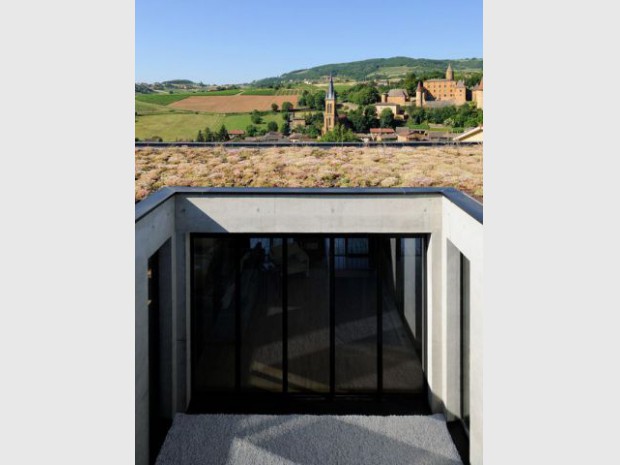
column 329, row 116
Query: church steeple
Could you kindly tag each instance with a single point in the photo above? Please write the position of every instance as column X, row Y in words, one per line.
column 449, row 73
column 330, row 91
column 329, row 116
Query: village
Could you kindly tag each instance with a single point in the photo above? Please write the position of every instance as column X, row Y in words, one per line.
column 435, row 110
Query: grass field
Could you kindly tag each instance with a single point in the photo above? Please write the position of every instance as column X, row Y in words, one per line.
column 218, row 93
column 259, row 92
column 161, row 99
column 392, row 71
column 185, row 125
column 341, row 87
column 288, row 92
column 167, row 99
column 233, row 103
column 459, row 167
column 145, row 108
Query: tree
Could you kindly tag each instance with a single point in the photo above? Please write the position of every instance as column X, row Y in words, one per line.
column 302, row 100
column 410, row 83
column 287, row 106
column 272, row 126
column 363, row 118
column 222, row 134
column 274, row 107
column 286, row 129
column 417, row 116
column 339, row 134
column 318, row 101
column 200, row 137
column 473, row 79
column 386, row 119
column 256, row 117
column 209, row 136
column 251, row 130
column 312, row 131
column 365, row 95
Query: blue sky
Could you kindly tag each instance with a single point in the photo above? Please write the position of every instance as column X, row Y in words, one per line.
column 237, row 41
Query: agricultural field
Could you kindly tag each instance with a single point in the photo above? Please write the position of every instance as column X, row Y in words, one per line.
column 459, row 167
column 166, row 99
column 392, row 71
column 145, row 108
column 233, row 103
column 185, row 125
column 259, row 92
column 217, row 93
column 288, row 92
column 160, row 99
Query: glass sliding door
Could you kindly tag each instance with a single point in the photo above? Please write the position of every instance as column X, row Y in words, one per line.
column 214, row 307
column 307, row 314
column 356, row 300
column 260, row 299
column 402, row 365
column 307, row 277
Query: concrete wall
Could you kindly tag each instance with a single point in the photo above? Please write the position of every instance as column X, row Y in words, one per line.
column 309, row 214
column 462, row 234
column 451, row 230
column 152, row 232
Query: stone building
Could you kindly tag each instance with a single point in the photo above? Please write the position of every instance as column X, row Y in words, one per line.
column 442, row 90
column 397, row 96
column 395, row 107
column 476, row 93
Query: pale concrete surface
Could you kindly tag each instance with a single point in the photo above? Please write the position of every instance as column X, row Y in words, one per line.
column 308, row 439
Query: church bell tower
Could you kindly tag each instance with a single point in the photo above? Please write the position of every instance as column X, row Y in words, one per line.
column 329, row 117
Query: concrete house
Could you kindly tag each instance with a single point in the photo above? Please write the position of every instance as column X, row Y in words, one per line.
column 260, row 301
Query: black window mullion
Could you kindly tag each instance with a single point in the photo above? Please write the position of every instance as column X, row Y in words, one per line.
column 237, row 255
column 379, row 257
column 284, row 315
column 332, row 317
column 192, row 315
column 423, row 257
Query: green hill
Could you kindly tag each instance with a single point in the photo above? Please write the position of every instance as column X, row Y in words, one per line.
column 378, row 68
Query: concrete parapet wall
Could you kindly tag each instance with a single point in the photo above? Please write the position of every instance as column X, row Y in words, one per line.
column 452, row 231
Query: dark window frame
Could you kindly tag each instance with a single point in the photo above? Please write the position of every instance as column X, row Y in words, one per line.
column 331, row 394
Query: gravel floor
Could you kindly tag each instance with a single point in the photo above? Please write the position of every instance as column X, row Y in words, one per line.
column 308, row 439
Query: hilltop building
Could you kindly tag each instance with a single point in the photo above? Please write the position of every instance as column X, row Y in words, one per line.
column 446, row 89
column 476, row 93
column 439, row 92
column 432, row 93
column 329, row 117
column 398, row 96
column 393, row 100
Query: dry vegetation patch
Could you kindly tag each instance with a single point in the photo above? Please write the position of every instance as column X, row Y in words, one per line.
column 459, row 167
